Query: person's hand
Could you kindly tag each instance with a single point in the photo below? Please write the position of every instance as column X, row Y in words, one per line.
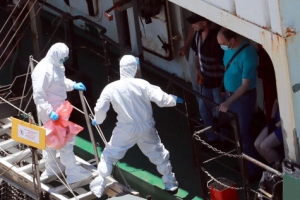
column 272, row 126
column 79, row 86
column 181, row 51
column 94, row 123
column 200, row 79
column 223, row 107
column 179, row 100
column 53, row 115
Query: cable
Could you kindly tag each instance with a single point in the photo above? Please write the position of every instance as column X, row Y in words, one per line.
column 15, row 163
column 17, row 28
column 67, row 185
column 10, row 16
column 13, row 26
column 20, row 38
column 13, row 106
column 97, row 127
column 20, row 106
column 28, row 101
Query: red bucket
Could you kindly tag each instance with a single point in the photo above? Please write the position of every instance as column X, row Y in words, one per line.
column 220, row 192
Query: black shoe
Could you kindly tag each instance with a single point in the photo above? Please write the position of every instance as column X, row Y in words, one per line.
column 172, row 191
column 171, row 188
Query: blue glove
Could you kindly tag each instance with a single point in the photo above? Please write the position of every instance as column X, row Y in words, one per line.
column 179, row 100
column 94, row 123
column 79, row 86
column 53, row 115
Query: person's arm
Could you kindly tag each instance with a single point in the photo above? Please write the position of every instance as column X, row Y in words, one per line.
column 273, row 124
column 278, row 124
column 69, row 84
column 274, row 109
column 199, row 77
column 187, row 42
column 238, row 93
column 159, row 97
column 102, row 106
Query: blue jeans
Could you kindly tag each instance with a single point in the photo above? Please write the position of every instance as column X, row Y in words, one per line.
column 244, row 108
column 207, row 111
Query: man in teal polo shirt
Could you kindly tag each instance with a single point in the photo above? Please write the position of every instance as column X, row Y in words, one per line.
column 240, row 83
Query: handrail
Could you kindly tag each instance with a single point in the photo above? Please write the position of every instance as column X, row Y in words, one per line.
column 181, row 83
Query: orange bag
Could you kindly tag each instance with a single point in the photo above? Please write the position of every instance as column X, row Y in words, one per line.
column 59, row 132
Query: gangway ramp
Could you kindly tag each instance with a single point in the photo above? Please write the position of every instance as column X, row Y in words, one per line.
column 16, row 173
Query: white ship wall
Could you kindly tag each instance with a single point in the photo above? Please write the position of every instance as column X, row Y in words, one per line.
column 79, row 7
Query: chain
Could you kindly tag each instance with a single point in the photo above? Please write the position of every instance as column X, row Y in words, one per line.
column 217, row 150
column 227, row 186
column 223, row 184
column 226, row 154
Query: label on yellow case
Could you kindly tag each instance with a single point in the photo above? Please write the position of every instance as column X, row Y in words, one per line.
column 28, row 134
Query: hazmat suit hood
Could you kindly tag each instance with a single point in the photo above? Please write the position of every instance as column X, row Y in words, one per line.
column 57, row 52
column 128, row 66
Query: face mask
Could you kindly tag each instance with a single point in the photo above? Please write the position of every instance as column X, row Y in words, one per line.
column 61, row 61
column 224, row 47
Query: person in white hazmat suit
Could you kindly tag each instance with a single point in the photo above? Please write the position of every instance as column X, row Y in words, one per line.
column 131, row 99
column 50, row 88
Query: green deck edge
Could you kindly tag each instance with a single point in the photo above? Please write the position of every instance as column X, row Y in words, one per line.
column 140, row 180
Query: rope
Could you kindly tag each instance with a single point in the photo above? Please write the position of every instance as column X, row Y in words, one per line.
column 13, row 106
column 20, row 106
column 13, row 26
column 20, row 37
column 28, row 102
column 91, row 117
column 99, row 131
column 15, row 163
column 78, row 110
column 126, row 183
column 4, row 151
column 65, row 182
column 216, row 157
column 10, row 16
column 34, row 60
column 97, row 127
column 18, row 27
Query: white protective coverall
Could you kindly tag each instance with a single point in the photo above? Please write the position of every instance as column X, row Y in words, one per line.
column 50, row 88
column 131, row 99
